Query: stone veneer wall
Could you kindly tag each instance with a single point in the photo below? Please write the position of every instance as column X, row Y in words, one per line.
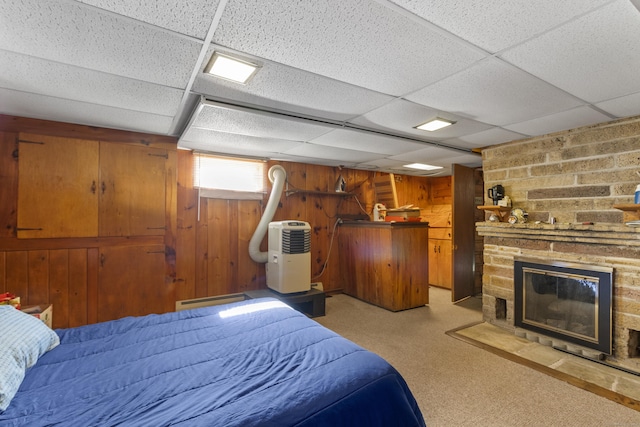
column 576, row 176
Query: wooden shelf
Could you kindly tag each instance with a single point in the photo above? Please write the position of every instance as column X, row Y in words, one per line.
column 631, row 211
column 501, row 211
column 318, row 193
column 628, row 207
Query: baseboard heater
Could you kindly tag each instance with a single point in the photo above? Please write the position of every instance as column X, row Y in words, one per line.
column 188, row 304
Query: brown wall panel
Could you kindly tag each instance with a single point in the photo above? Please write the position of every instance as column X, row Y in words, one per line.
column 78, row 287
column 59, row 286
column 8, row 183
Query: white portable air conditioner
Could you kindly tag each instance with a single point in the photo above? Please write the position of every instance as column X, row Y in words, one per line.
column 289, row 258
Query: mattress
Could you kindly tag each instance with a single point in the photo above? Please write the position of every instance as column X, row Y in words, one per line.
column 250, row 363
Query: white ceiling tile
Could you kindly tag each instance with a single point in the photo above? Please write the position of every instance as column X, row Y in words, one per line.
column 401, row 116
column 75, row 34
column 354, row 41
column 220, row 142
column 332, row 153
column 366, row 141
column 624, row 106
column 285, row 88
column 429, row 155
column 191, row 17
column 485, row 138
column 497, row 24
column 494, row 92
column 313, row 160
column 29, row 74
column 570, row 119
column 245, row 122
column 63, row 110
column 596, row 57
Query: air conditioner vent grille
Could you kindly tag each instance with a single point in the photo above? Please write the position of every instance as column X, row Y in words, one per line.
column 296, row 241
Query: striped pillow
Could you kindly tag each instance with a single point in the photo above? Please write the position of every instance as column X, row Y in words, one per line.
column 24, row 339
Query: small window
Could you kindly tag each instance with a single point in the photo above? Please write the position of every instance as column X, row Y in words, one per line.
column 224, row 178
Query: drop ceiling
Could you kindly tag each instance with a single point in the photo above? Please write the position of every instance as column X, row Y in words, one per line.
column 341, row 83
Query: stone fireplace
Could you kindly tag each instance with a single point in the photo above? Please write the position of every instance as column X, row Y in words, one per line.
column 599, row 246
column 581, row 177
column 571, row 302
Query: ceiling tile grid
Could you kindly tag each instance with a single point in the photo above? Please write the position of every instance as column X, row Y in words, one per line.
column 339, row 83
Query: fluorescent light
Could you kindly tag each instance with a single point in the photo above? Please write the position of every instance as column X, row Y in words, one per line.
column 422, row 166
column 435, row 124
column 229, row 68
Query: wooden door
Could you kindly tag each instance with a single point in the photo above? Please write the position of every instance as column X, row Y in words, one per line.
column 463, row 234
column 131, row 282
column 132, row 190
column 57, row 187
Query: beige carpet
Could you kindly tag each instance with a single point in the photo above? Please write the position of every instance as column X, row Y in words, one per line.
column 459, row 384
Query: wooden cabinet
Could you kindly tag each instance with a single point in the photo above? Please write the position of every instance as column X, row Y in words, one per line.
column 58, row 181
column 440, row 258
column 82, row 188
column 131, row 282
column 132, row 181
column 385, row 264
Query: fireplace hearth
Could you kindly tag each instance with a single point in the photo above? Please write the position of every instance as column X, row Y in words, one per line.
column 568, row 301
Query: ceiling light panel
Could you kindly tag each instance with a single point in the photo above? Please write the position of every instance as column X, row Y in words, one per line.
column 435, row 124
column 400, row 116
column 386, row 62
column 230, row 68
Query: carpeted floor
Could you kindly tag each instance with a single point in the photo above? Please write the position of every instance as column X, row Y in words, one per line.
column 460, row 384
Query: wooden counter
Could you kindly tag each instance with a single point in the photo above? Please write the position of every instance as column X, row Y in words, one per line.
column 385, row 263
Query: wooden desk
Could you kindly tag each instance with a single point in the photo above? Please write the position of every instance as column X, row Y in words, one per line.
column 384, row 263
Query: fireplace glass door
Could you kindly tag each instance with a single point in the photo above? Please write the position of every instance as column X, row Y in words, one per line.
column 569, row 302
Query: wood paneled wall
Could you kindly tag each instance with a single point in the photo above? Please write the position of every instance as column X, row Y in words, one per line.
column 204, row 256
column 66, row 271
column 213, row 252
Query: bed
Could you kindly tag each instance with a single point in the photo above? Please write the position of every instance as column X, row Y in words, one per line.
column 255, row 362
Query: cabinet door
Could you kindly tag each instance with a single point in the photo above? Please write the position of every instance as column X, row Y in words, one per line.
column 132, row 190
column 57, row 187
column 440, row 263
column 131, row 282
column 445, row 269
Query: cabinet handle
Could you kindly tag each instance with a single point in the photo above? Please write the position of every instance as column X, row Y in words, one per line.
column 438, row 248
column 435, row 249
column 28, row 229
column 104, row 187
column 93, row 187
column 102, row 259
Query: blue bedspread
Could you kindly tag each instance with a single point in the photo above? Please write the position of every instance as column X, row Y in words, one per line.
column 252, row 363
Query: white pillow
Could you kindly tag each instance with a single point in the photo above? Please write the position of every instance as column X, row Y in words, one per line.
column 24, row 339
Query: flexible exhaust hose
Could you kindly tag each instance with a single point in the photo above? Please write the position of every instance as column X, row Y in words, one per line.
column 277, row 175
